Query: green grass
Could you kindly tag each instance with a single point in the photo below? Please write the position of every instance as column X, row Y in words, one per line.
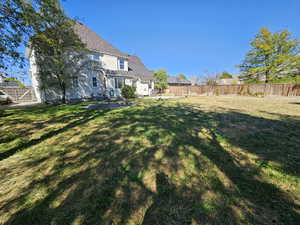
column 204, row 160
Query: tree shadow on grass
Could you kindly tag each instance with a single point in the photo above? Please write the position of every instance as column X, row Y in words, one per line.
column 82, row 117
column 161, row 164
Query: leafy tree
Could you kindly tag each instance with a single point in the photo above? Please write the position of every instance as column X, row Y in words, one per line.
column 270, row 54
column 59, row 54
column 160, row 80
column 181, row 76
column 225, row 75
column 20, row 19
column 295, row 74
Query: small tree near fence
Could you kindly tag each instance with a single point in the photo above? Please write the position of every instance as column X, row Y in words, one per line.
column 161, row 82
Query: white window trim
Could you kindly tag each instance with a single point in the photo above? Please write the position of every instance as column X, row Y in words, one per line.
column 119, row 63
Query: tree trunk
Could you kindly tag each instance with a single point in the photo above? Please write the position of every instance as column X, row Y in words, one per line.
column 267, row 77
column 63, row 93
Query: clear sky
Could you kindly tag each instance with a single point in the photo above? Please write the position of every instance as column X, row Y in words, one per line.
column 188, row 36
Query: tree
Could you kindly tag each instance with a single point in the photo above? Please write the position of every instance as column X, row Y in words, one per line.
column 270, row 54
column 295, row 74
column 59, row 54
column 181, row 76
column 225, row 75
column 160, row 80
column 194, row 80
column 20, row 19
column 210, row 79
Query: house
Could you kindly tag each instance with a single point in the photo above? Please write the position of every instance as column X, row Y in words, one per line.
column 176, row 81
column 2, row 78
column 116, row 70
column 228, row 81
column 7, row 82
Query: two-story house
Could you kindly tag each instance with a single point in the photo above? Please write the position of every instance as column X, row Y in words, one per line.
column 117, row 69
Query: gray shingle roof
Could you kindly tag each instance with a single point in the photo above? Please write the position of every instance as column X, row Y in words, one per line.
column 94, row 42
column 137, row 67
column 176, row 80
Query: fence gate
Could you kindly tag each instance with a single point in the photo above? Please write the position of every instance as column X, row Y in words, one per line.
column 20, row 94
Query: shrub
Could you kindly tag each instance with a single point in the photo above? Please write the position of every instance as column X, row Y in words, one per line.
column 128, row 92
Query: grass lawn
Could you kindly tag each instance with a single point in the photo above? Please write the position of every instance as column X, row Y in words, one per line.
column 201, row 160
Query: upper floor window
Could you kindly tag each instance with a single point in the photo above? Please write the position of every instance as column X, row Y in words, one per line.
column 95, row 56
column 94, row 82
column 75, row 81
column 122, row 64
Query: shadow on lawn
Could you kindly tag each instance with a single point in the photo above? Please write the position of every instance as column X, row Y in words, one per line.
column 157, row 165
column 81, row 118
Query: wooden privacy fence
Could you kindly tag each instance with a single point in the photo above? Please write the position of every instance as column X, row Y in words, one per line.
column 20, row 94
column 241, row 89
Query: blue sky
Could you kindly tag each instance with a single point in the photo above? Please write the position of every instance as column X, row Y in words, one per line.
column 190, row 36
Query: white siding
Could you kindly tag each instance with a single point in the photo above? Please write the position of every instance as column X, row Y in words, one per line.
column 34, row 79
column 142, row 88
column 110, row 62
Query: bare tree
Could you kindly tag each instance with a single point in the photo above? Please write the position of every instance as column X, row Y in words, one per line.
column 209, row 78
column 194, row 80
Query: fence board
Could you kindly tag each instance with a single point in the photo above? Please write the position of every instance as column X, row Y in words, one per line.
column 242, row 89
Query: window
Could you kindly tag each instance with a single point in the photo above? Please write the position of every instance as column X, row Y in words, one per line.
column 95, row 57
column 1, row 93
column 104, row 82
column 75, row 81
column 122, row 64
column 94, row 82
column 119, row 82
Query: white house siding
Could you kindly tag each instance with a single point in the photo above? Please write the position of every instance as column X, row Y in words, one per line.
column 85, row 87
column 112, row 62
column 34, row 79
column 142, row 88
column 128, row 82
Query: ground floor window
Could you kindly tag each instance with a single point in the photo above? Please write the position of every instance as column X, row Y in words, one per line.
column 94, row 82
column 75, row 81
column 119, row 82
column 104, row 82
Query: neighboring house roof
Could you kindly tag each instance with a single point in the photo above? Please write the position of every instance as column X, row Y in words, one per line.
column 176, row 80
column 6, row 83
column 95, row 42
column 228, row 81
